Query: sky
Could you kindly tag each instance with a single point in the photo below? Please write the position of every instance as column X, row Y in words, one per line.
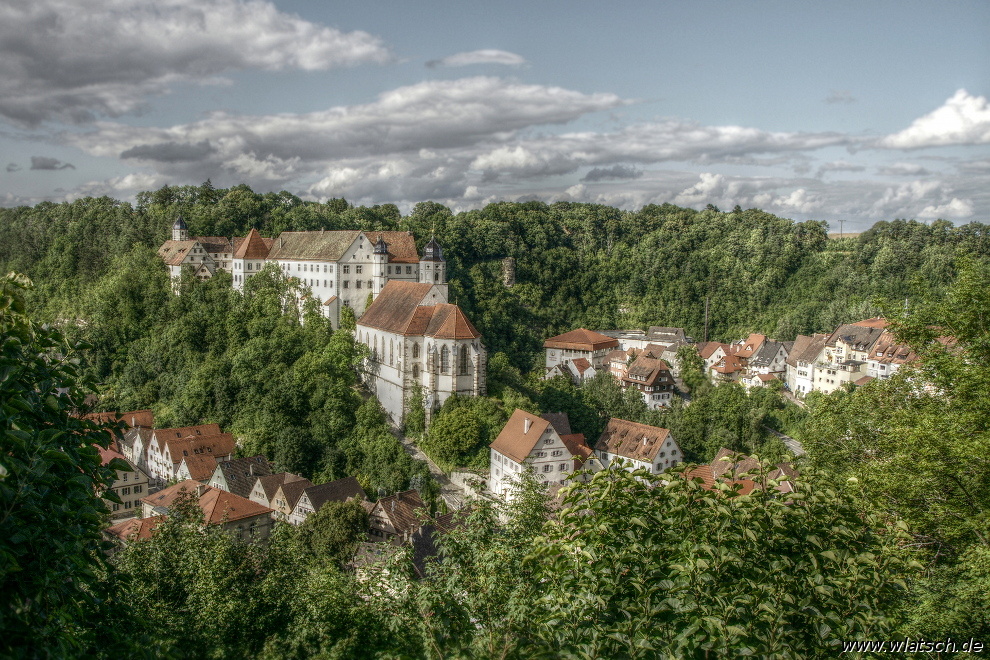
column 849, row 112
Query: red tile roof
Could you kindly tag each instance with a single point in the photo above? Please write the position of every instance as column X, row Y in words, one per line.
column 107, row 455
column 252, row 247
column 581, row 340
column 200, row 468
column 399, row 309
column 876, row 322
column 516, row 440
column 217, row 505
column 135, row 529
column 632, row 440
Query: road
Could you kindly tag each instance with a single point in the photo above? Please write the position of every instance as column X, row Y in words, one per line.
column 451, row 494
column 793, row 445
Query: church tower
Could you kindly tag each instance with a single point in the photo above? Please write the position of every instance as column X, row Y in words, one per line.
column 179, row 230
column 432, row 267
column 378, row 266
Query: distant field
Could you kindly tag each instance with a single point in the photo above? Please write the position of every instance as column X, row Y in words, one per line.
column 845, row 234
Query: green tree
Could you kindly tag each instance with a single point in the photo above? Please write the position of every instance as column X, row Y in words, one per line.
column 638, row 567
column 56, row 591
column 332, row 532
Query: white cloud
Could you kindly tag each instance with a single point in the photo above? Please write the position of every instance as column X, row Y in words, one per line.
column 903, row 169
column 800, row 201
column 708, row 189
column 486, row 56
column 963, row 119
column 71, row 60
column 839, row 166
column 954, row 208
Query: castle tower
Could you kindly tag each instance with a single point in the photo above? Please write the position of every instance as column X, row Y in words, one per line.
column 432, row 267
column 180, row 232
column 379, row 262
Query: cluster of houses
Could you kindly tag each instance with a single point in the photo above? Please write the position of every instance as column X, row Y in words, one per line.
column 415, row 337
column 854, row 353
column 244, row 496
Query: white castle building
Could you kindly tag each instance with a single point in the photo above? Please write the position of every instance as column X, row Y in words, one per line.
column 415, row 335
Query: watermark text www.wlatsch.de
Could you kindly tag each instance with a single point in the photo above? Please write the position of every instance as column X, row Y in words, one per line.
column 909, row 645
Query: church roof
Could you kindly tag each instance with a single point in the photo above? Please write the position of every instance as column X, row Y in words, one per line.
column 399, row 309
column 252, row 247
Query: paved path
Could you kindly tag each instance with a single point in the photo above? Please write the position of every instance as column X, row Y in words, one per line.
column 451, row 494
column 793, row 445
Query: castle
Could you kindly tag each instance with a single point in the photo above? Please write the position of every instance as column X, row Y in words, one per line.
column 415, row 336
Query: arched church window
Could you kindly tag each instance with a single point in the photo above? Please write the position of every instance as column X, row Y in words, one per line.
column 415, row 371
column 436, row 277
column 462, row 362
column 391, row 352
column 415, row 350
column 444, row 360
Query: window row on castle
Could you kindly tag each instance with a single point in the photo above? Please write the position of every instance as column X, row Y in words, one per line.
column 461, row 356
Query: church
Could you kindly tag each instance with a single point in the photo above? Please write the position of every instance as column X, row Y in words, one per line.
column 417, row 337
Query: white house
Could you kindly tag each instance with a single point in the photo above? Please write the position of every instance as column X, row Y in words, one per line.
column 314, row 497
column 800, row 364
column 636, row 446
column 531, row 442
column 576, row 344
column 417, row 338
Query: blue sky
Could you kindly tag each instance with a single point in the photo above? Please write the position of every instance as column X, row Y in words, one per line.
column 852, row 111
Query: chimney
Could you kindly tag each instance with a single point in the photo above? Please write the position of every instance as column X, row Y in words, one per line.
column 251, row 468
column 526, row 425
column 200, row 490
column 280, row 242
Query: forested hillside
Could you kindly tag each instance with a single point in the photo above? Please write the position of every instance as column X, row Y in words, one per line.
column 576, row 264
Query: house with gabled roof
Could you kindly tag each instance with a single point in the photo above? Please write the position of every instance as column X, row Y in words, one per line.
column 887, row 356
column 129, row 485
column 540, row 444
column 415, row 338
column 314, row 497
column 581, row 343
column 801, row 363
column 156, row 458
column 286, row 496
column 393, row 519
column 651, row 377
column 238, row 475
column 637, row 446
column 237, row 515
column 198, row 467
column 265, row 487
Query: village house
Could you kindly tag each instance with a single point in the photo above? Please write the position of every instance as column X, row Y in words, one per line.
column 246, row 519
column 314, row 497
column 129, row 485
column 577, row 344
column 637, row 446
column 393, row 519
column 887, row 357
column 767, row 364
column 196, row 467
column 264, row 489
column 844, row 357
column 137, row 426
column 238, row 475
column 419, row 339
column 801, row 361
column 168, row 448
column 577, row 371
column 540, row 444
column 286, row 496
column 652, row 378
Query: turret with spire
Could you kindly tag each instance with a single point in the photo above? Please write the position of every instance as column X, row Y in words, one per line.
column 432, row 267
column 180, row 232
column 379, row 265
